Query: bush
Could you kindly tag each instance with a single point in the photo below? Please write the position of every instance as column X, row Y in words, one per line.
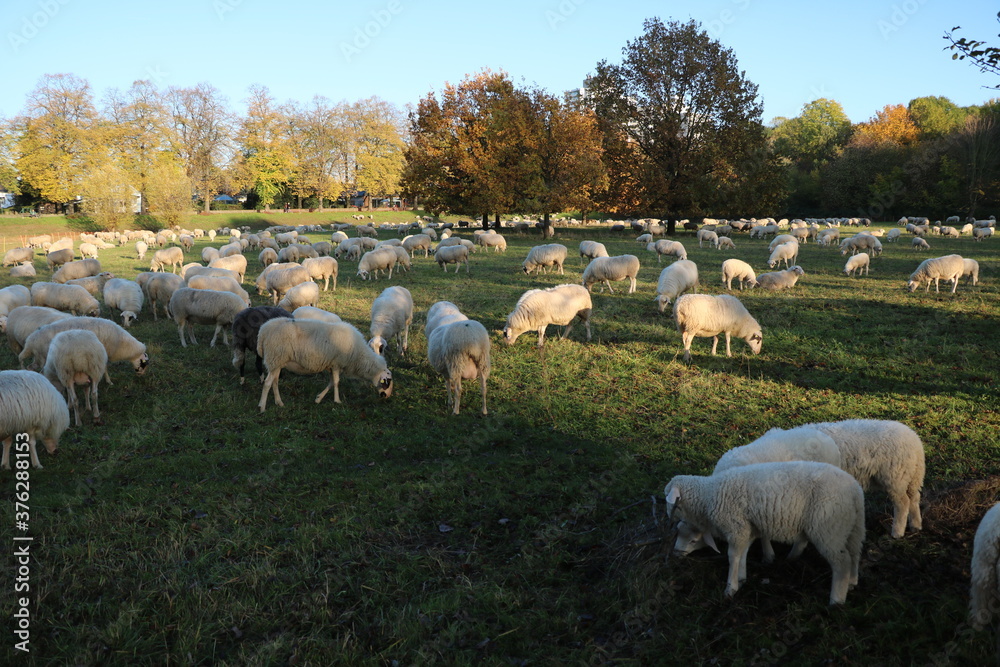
column 148, row 222
column 82, row 222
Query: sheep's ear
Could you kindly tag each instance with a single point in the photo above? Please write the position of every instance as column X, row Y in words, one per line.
column 709, row 540
column 674, row 494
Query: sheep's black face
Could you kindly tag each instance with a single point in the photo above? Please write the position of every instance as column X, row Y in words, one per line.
column 384, row 385
column 143, row 363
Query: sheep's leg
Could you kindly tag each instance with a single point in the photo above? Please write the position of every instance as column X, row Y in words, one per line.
column 715, row 344
column 458, row 392
column 97, row 409
column 482, row 385
column 915, row 521
column 325, row 390
column 798, row 547
column 5, row 463
column 565, row 333
column 609, row 287
column 33, row 451
column 336, row 385
column 458, row 265
column 729, row 352
column 71, row 400
column 268, row 381
column 686, row 338
column 631, row 289
column 541, row 335
column 735, row 553
column 218, row 328
column 767, row 549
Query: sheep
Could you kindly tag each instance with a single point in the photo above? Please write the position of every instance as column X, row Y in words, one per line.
column 119, row 344
column 76, row 356
column 644, row 239
column 980, row 233
column 311, row 313
column 832, row 235
column 949, row 267
column 322, row 268
column 186, row 242
column 893, row 235
column 93, row 284
column 605, row 269
column 454, row 254
column 23, row 271
column 676, row 279
column 542, row 256
column 208, row 254
column 855, row 263
column 338, row 237
column 967, row 229
column 309, row 346
column 800, row 234
column 725, row 242
column 707, row 236
column 303, row 294
column 418, row 242
column 888, row 453
column 126, row 296
column 237, row 263
column 949, row 231
column 69, row 298
column 246, row 326
column 29, row 404
column 537, row 309
column 403, row 259
column 19, row 256
column 783, row 253
column 860, row 242
column 201, row 306
column 167, row 256
column 984, row 590
column 971, row 271
column 460, row 351
column 231, row 249
column 492, row 240
column 10, row 298
column 279, row 280
column 439, row 314
column 221, row 284
column 665, row 247
column 704, row 315
column 366, row 230
column 79, row 269
column 57, row 258
column 780, row 279
column 289, row 253
column 778, row 240
column 373, row 261
column 324, row 248
column 159, row 288
column 592, row 249
column 23, row 321
column 787, row 501
column 741, row 271
column 920, row 244
column 392, row 314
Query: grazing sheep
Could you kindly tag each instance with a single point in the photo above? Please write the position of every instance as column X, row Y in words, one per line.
column 707, row 236
column 860, row 242
column 174, row 257
column 267, row 256
column 303, row 294
column 76, row 356
column 30, row 404
column 592, row 249
column 920, row 244
column 309, row 346
column 676, row 279
column 208, row 254
column 322, row 268
column 492, row 240
column 741, row 271
column 186, row 242
column 453, row 254
column 79, row 269
column 201, row 306
column 460, row 351
column 237, row 263
column 19, row 256
column 778, row 240
column 832, row 235
column 289, row 254
column 220, row 284
column 311, row 313
column 125, row 296
column 780, row 279
column 536, row 309
column 159, row 287
column 984, row 591
column 118, row 343
column 949, row 267
column 441, row 313
column 783, row 253
column 23, row 271
column 392, row 314
column 88, row 251
column 855, row 263
column 704, row 315
column 246, row 326
column 542, row 256
column 403, row 259
column 644, row 239
column 93, row 284
column 605, row 269
column 787, row 501
column 230, row 250
column 57, row 258
column 373, row 261
column 980, row 233
column 726, row 242
column 23, row 321
column 69, row 298
column 971, row 271
column 279, row 280
column 10, row 298
column 949, row 231
column 967, row 229
column 665, row 247
column 367, row 230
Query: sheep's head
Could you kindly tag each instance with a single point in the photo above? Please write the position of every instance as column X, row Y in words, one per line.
column 662, row 301
column 912, row 285
column 378, row 344
column 384, row 384
column 755, row 341
column 691, row 539
column 509, row 335
column 128, row 317
column 141, row 364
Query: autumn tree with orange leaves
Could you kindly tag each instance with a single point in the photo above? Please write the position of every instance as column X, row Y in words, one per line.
column 892, row 125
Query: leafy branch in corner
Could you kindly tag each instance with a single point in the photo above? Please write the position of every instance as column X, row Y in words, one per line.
column 987, row 58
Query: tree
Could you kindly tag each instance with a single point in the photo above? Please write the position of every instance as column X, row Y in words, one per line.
column 168, row 191
column 680, row 97
column 978, row 150
column 891, row 126
column 815, row 135
column 317, row 135
column 204, row 126
column 378, row 148
column 265, row 151
column 936, row 117
column 987, row 58
column 8, row 145
column 109, row 194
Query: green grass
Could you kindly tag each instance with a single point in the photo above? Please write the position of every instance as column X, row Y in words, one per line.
column 191, row 529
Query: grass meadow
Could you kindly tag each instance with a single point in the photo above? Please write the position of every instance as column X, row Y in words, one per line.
column 191, row 529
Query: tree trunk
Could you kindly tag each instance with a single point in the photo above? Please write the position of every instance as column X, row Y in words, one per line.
column 547, row 231
column 496, row 221
column 208, row 197
column 671, row 225
column 320, row 202
column 486, row 221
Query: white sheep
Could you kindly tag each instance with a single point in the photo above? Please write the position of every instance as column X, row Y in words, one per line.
column 159, row 287
column 536, row 309
column 201, row 306
column 605, row 269
column 788, row 502
column 783, row 253
column 726, row 242
column 403, row 259
column 88, row 251
column 460, row 351
column 778, row 240
column 125, row 296
column 118, row 343
column 57, row 258
column 93, row 284
column 279, row 278
column 23, row 271
column 392, row 314
column 186, row 242
column 920, row 244
column 980, row 233
column 173, row 256
column 665, row 247
column 949, row 267
column 19, row 256
column 780, row 279
column 219, row 283
column 267, row 256
column 208, row 254
column 453, row 254
column 303, row 294
column 707, row 236
column 675, row 280
column 740, row 271
column 23, row 321
column 417, row 242
column 441, row 313
column 30, row 404
column 70, row 298
column 237, row 263
column 373, row 261
column 855, row 263
column 971, row 271
column 592, row 249
column 984, row 591
column 644, row 239
column 542, row 256
column 492, row 240
column 78, row 269
column 77, row 357
column 10, row 298
column 860, row 242
column 322, row 268
column 309, row 346
column 704, row 315
column 246, row 326
column 831, row 235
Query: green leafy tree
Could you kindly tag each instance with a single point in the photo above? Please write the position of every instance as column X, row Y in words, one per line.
column 936, row 117
column 815, row 135
column 378, row 148
column 109, row 194
column 266, row 154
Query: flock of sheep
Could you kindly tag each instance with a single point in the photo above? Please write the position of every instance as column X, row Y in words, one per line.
column 801, row 485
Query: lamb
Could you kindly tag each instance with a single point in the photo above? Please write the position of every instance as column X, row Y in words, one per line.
column 30, row 404
column 79, row 269
column 69, row 298
column 741, row 271
column 221, row 284
column 676, row 279
column 536, row 309
column 492, row 240
column 460, row 351
column 542, row 256
column 855, row 263
column 76, row 356
column 23, row 321
column 311, row 313
column 949, row 267
column 23, row 271
column 441, row 313
column 201, row 306
column 308, row 346
column 780, row 279
column 159, row 288
column 605, row 269
column 831, row 235
column 246, row 326
column 373, row 261
column 457, row 255
column 322, row 268
column 303, row 294
column 704, row 315
column 971, row 271
column 984, row 591
column 592, row 249
column 920, row 244
column 785, row 501
column 278, row 281
column 783, row 253
column 173, row 256
column 392, row 314
column 665, row 247
column 57, row 258
column 93, row 284
column 119, row 344
column 707, row 236
column 237, row 263
column 126, row 296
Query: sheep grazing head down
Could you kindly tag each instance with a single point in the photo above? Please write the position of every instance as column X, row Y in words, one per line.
column 141, row 364
column 509, row 336
column 755, row 342
column 384, row 384
column 378, row 344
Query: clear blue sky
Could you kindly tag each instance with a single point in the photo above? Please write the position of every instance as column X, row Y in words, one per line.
column 863, row 53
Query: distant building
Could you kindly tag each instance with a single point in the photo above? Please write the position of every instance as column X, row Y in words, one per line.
column 6, row 199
